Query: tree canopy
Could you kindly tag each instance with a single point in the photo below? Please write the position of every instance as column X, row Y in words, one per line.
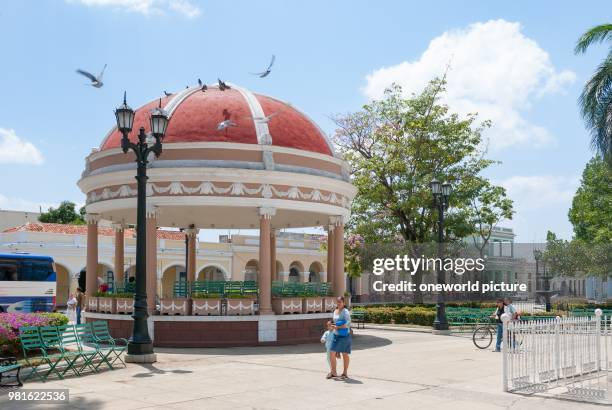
column 596, row 97
column 396, row 146
column 591, row 211
column 65, row 213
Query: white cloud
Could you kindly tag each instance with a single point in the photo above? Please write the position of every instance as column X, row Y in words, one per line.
column 146, row 7
column 14, row 150
column 495, row 70
column 541, row 204
column 185, row 8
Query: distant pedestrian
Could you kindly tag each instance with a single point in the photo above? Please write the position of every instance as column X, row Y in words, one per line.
column 80, row 298
column 328, row 338
column 511, row 309
column 499, row 311
column 71, row 309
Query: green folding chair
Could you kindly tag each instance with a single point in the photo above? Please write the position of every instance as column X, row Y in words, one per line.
column 86, row 339
column 102, row 336
column 31, row 343
column 52, row 341
column 71, row 342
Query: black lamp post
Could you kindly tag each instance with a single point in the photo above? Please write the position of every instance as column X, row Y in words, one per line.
column 441, row 192
column 140, row 343
column 542, row 281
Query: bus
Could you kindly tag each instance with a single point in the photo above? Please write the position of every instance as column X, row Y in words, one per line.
column 27, row 283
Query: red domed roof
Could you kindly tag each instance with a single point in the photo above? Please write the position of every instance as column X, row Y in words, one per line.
column 194, row 116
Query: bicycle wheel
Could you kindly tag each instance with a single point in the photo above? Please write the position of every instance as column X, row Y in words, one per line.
column 482, row 337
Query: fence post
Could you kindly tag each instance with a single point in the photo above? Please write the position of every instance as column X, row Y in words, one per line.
column 598, row 314
column 557, row 347
column 505, row 337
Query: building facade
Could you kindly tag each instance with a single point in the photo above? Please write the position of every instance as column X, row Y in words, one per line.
column 298, row 256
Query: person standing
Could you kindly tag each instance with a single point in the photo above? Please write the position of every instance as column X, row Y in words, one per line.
column 328, row 338
column 80, row 298
column 341, row 324
column 71, row 309
column 499, row 311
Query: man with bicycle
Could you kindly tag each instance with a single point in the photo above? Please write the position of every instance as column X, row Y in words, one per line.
column 499, row 311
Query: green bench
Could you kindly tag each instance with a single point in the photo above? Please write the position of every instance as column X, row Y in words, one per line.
column 9, row 364
column 358, row 317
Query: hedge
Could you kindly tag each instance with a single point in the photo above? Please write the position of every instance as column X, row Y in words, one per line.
column 405, row 315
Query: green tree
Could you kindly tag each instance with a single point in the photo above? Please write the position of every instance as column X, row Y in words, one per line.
column 65, row 213
column 596, row 97
column 591, row 213
column 396, row 146
column 488, row 206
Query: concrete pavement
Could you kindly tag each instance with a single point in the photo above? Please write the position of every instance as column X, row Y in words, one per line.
column 389, row 369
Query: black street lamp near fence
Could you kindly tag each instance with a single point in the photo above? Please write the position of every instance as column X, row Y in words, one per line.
column 441, row 192
column 542, row 280
column 140, row 342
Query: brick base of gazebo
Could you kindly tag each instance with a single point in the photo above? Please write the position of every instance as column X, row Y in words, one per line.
column 222, row 331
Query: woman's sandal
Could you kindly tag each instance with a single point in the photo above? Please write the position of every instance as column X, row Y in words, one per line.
column 330, row 376
column 344, row 376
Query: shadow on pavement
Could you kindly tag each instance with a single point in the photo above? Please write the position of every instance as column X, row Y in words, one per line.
column 360, row 342
column 152, row 371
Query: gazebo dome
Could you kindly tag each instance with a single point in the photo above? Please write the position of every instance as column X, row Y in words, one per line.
column 272, row 157
column 195, row 115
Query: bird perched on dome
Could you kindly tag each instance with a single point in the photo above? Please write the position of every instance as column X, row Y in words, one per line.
column 167, row 94
column 268, row 70
column 203, row 86
column 226, row 124
column 95, row 81
column 222, row 85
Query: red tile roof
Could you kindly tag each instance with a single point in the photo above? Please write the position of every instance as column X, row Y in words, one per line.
column 82, row 230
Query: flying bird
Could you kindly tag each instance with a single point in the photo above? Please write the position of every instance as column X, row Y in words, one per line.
column 95, row 81
column 265, row 119
column 268, row 70
column 167, row 93
column 226, row 124
column 222, row 85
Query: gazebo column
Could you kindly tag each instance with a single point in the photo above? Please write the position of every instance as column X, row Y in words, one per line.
column 191, row 253
column 339, row 279
column 330, row 256
column 273, row 273
column 91, row 278
column 265, row 282
column 151, row 257
column 119, row 252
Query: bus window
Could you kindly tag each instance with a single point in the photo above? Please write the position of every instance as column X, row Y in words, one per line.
column 35, row 271
column 8, row 270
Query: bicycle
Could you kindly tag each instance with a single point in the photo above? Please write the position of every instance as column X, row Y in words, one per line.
column 482, row 336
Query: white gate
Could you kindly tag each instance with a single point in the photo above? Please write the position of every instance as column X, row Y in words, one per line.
column 564, row 357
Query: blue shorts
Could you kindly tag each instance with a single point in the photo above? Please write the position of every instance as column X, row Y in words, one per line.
column 341, row 344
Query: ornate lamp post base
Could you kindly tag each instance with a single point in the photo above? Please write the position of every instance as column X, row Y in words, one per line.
column 141, row 358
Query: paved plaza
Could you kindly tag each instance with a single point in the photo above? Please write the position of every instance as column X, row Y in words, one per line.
column 390, row 369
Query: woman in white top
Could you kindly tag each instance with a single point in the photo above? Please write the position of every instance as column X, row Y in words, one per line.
column 71, row 311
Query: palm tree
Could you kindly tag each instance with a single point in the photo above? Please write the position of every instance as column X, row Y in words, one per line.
column 596, row 97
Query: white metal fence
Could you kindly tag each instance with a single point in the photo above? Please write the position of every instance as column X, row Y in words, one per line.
column 564, row 357
column 526, row 306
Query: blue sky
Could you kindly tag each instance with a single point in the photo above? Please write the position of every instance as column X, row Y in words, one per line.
column 513, row 61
